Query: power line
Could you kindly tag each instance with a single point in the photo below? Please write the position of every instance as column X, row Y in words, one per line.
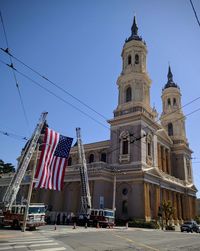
column 195, row 13
column 77, row 99
column 52, row 93
column 13, row 135
column 14, row 75
column 54, row 84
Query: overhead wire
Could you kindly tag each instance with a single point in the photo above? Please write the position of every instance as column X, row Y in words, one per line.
column 52, row 93
column 77, row 99
column 14, row 75
column 55, row 84
column 86, row 114
column 13, row 135
column 195, row 13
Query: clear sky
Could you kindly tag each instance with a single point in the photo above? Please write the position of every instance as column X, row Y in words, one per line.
column 77, row 44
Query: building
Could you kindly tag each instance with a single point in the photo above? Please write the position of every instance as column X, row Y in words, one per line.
column 144, row 162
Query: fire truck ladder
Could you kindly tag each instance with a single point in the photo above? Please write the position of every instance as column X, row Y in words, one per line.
column 85, row 189
column 13, row 188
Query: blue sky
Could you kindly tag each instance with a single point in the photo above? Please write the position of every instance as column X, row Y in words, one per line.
column 78, row 44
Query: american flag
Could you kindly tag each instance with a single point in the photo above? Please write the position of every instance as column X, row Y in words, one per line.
column 53, row 160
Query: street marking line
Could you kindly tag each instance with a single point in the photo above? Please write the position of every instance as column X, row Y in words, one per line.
column 43, row 244
column 51, row 249
column 4, row 248
column 24, row 242
column 137, row 243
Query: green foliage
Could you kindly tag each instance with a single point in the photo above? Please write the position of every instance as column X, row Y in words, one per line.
column 197, row 219
column 143, row 224
column 167, row 211
column 137, row 223
column 6, row 167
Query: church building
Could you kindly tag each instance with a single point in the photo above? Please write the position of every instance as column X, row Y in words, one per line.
column 145, row 161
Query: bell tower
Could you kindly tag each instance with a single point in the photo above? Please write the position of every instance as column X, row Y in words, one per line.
column 134, row 82
column 172, row 118
column 133, row 112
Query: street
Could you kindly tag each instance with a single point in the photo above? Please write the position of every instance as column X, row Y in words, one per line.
column 93, row 239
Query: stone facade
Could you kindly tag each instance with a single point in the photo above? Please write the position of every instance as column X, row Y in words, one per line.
column 144, row 162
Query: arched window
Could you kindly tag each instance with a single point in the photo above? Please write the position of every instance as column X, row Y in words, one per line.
column 169, row 101
column 149, row 148
column 128, row 94
column 129, row 60
column 174, row 101
column 136, row 59
column 91, row 158
column 170, row 129
column 103, row 157
column 125, row 147
column 70, row 161
column 124, row 207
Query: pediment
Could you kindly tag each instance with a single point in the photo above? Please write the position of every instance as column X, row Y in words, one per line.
column 163, row 134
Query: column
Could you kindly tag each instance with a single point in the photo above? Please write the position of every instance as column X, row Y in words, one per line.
column 157, row 200
column 175, row 205
column 159, row 157
column 146, row 202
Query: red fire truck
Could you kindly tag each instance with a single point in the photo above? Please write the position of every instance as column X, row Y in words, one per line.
column 15, row 216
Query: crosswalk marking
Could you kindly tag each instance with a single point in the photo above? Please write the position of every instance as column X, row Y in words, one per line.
column 51, row 249
column 24, row 242
column 41, row 242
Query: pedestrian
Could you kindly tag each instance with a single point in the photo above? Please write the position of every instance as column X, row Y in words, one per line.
column 63, row 218
column 58, row 219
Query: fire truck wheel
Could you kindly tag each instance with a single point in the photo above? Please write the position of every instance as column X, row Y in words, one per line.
column 15, row 224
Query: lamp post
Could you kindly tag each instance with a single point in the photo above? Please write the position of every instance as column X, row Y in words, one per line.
column 114, row 191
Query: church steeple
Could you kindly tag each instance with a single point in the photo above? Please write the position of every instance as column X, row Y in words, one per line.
column 134, row 32
column 134, row 28
column 170, row 82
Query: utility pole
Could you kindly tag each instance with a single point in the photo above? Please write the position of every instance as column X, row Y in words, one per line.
column 30, row 190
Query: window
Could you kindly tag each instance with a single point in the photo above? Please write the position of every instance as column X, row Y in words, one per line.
column 125, row 191
column 125, row 147
column 91, row 158
column 136, row 59
column 70, row 161
column 128, row 94
column 149, row 149
column 170, row 129
column 103, row 157
column 169, row 101
column 174, row 101
column 129, row 59
column 124, row 207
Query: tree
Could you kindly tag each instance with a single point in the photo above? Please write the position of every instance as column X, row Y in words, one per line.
column 167, row 211
column 6, row 167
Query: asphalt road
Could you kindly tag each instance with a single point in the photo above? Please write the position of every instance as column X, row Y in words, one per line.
column 91, row 239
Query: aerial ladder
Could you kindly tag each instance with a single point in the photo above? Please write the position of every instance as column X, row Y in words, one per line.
column 95, row 217
column 85, row 190
column 14, row 186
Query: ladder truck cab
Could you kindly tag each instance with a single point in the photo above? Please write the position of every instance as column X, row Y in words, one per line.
column 26, row 215
column 89, row 216
column 15, row 216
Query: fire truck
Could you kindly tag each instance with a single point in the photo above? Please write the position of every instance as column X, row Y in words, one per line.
column 26, row 215
column 15, row 216
column 88, row 215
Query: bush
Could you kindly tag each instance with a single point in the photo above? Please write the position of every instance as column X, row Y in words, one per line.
column 170, row 228
column 141, row 224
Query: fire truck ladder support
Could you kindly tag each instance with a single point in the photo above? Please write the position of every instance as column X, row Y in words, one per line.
column 85, row 196
column 24, row 161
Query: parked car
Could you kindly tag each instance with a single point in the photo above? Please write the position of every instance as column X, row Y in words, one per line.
column 190, row 226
